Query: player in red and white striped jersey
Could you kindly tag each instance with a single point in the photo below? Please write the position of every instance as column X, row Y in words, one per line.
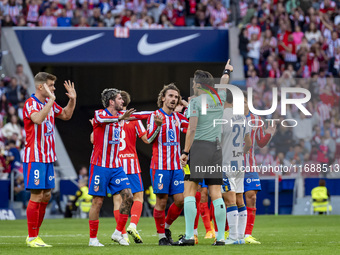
column 167, row 177
column 252, row 184
column 128, row 156
column 39, row 112
column 106, row 170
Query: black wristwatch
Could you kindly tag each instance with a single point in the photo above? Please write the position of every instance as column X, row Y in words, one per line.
column 185, row 153
column 226, row 71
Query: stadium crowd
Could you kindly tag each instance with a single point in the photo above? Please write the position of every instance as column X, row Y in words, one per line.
column 286, row 46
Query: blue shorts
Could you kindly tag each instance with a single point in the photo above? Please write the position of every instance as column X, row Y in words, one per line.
column 136, row 183
column 167, row 181
column 203, row 185
column 107, row 179
column 226, row 184
column 39, row 175
column 251, row 181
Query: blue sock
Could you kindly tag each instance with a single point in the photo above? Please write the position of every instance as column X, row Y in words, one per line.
column 220, row 215
column 189, row 214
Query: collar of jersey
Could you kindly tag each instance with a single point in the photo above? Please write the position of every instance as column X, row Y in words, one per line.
column 108, row 112
column 165, row 112
column 248, row 114
column 36, row 99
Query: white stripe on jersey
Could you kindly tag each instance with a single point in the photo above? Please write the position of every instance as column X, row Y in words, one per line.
column 36, row 152
column 168, row 148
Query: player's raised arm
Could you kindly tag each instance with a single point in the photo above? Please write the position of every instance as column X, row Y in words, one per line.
column 226, row 73
column 68, row 110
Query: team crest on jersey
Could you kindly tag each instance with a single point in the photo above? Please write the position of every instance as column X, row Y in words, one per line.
column 36, row 182
column 175, row 122
column 96, row 188
column 160, row 186
column 171, row 134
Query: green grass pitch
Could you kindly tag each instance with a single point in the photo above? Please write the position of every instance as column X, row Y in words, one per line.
column 278, row 234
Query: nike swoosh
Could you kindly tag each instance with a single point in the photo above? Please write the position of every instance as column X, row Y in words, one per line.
column 50, row 49
column 146, row 48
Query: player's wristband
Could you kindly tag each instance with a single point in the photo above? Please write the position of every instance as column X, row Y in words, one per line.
column 226, row 71
column 185, row 153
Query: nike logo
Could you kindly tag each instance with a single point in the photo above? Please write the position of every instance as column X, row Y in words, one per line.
column 146, row 48
column 50, row 49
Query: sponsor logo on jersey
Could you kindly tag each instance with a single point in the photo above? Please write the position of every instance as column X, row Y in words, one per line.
column 114, row 142
column 117, row 181
column 176, row 183
column 49, row 128
column 51, row 178
column 127, row 155
column 248, row 180
column 170, row 144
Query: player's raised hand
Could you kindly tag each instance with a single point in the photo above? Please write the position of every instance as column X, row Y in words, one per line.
column 271, row 129
column 91, row 121
column 158, row 120
column 229, row 66
column 50, row 94
column 127, row 114
column 71, row 92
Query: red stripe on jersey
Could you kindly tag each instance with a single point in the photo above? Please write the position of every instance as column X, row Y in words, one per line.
column 91, row 174
column 166, row 145
column 127, row 149
column 40, row 144
column 28, row 172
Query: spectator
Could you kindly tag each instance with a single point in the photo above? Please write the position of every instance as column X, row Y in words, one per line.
column 313, row 35
column 63, row 20
column 95, row 18
column 298, row 35
column 164, row 21
column 243, row 44
column 109, row 20
column 47, row 19
column 12, row 127
column 13, row 93
column 254, row 49
column 219, row 16
column 253, row 28
column 133, row 22
column 13, row 156
column 33, row 13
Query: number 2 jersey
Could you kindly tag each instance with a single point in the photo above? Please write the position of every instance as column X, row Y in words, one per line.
column 106, row 137
column 233, row 133
column 40, row 142
column 127, row 148
column 166, row 148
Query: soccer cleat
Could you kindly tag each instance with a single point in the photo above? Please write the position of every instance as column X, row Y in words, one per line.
column 168, row 235
column 38, row 242
column 219, row 243
column 241, row 241
column 119, row 239
column 196, row 239
column 229, row 241
column 226, row 234
column 135, row 235
column 210, row 235
column 95, row 243
column 184, row 242
column 251, row 240
column 164, row 241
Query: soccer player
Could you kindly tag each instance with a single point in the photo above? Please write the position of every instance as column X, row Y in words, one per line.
column 40, row 111
column 167, row 178
column 106, row 170
column 252, row 183
column 203, row 142
column 128, row 155
column 233, row 134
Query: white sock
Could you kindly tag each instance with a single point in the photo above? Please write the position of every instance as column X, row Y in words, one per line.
column 246, row 236
column 133, row 225
column 167, row 226
column 93, row 239
column 161, row 236
column 195, row 232
column 232, row 216
column 125, row 235
column 242, row 222
column 31, row 238
column 118, row 233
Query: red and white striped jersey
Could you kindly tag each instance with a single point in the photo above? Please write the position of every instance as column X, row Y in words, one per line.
column 127, row 147
column 48, row 21
column 106, row 137
column 253, row 30
column 33, row 13
column 166, row 149
column 40, row 144
column 257, row 136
